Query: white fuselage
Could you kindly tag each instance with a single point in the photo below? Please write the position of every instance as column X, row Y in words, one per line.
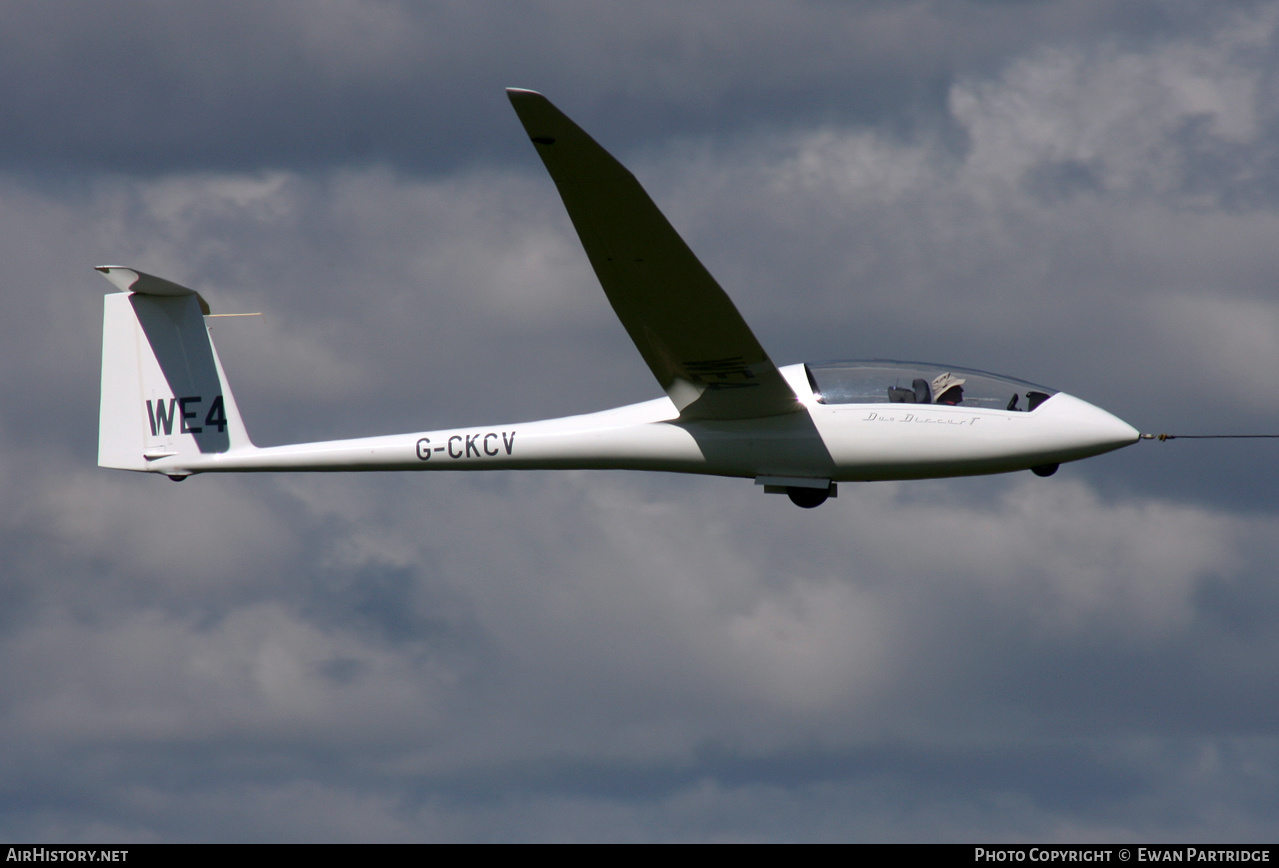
column 837, row 442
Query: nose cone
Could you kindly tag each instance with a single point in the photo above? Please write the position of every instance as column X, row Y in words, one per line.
column 1083, row 429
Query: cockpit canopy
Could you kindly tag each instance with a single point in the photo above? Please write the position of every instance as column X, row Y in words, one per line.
column 883, row 381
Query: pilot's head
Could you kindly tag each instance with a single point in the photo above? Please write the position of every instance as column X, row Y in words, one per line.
column 947, row 389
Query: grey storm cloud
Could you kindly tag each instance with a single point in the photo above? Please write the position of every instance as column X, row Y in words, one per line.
column 153, row 87
column 1082, row 194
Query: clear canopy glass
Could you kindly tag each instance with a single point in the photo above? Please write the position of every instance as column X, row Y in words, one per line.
column 883, row 381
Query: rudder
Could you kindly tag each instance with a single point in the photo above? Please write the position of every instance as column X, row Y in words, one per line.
column 164, row 394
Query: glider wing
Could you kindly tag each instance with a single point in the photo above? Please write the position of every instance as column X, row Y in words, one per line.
column 685, row 326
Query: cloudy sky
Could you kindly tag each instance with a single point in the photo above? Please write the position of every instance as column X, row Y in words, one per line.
column 1083, row 194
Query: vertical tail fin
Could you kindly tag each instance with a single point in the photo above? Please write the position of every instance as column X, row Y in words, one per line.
column 164, row 395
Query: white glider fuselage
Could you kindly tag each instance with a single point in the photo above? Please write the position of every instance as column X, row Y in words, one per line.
column 828, row 442
column 728, row 411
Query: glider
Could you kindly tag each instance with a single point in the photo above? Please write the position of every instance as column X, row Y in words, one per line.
column 728, row 411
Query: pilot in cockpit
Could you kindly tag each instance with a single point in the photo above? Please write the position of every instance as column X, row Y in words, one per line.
column 948, row 389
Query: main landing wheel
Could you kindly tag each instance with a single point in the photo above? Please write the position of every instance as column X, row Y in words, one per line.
column 807, row 498
column 1045, row 469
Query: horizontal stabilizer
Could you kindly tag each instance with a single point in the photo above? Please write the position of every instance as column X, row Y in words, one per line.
column 128, row 280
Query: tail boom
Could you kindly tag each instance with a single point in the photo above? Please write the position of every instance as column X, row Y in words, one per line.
column 647, row 436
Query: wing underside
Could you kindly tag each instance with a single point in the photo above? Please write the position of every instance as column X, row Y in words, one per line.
column 685, row 326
